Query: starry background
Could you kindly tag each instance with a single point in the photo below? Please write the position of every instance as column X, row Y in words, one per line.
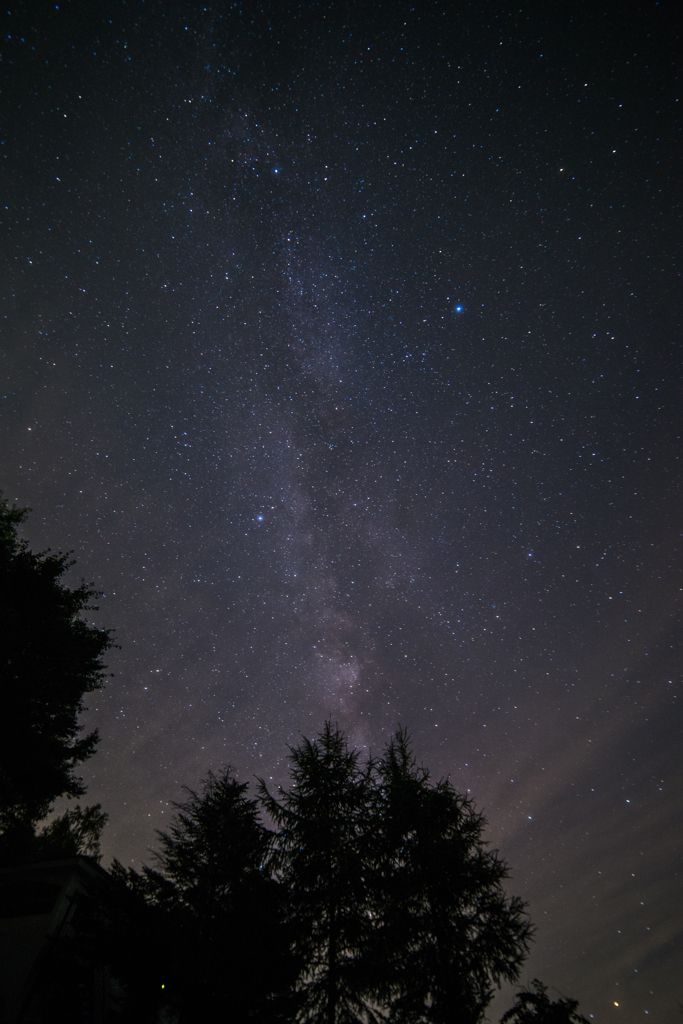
column 341, row 346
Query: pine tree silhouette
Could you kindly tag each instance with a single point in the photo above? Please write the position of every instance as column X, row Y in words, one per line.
column 449, row 931
column 324, row 852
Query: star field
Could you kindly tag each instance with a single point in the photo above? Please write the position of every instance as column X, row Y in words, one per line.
column 343, row 349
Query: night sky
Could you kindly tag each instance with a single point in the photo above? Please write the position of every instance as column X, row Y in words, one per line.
column 342, row 347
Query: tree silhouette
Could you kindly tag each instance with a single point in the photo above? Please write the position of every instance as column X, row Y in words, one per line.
column 323, row 857
column 397, row 904
column 377, row 900
column 209, row 919
column 448, row 931
column 50, row 659
column 76, row 831
column 534, row 1007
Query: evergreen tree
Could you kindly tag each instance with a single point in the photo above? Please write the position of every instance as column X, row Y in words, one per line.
column 323, row 856
column 76, row 831
column 49, row 659
column 207, row 923
column 534, row 1007
column 448, row 932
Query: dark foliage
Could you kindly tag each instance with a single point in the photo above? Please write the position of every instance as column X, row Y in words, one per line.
column 323, row 857
column 50, row 659
column 376, row 900
column 396, row 903
column 448, row 931
column 76, row 831
column 534, row 1007
column 205, row 930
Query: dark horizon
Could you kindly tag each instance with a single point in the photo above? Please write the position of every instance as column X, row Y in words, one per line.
column 343, row 349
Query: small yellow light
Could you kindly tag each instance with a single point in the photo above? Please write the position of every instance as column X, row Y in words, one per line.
column 616, row 1004
column 163, row 986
